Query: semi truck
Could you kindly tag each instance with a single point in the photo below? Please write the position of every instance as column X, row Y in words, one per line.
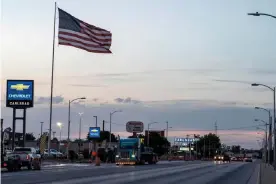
column 131, row 151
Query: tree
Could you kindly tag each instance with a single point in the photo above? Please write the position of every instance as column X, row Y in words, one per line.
column 104, row 135
column 208, row 145
column 30, row 137
column 138, row 135
column 159, row 144
column 236, row 149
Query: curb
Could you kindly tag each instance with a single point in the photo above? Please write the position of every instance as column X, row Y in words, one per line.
column 259, row 181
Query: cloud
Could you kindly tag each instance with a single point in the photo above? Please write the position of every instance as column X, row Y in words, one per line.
column 128, row 74
column 88, row 85
column 232, row 81
column 127, row 100
column 262, row 71
column 46, row 100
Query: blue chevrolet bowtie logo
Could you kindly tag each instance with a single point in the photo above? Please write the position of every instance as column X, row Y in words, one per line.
column 94, row 130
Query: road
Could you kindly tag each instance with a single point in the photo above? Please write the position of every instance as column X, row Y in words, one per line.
column 197, row 172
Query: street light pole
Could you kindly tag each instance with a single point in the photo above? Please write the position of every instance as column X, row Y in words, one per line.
column 264, row 143
column 96, row 117
column 110, row 117
column 274, row 112
column 59, row 124
column 80, row 113
column 269, row 132
column 69, row 114
column 273, row 89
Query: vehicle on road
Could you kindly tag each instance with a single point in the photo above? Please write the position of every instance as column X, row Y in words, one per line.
column 248, row 159
column 53, row 153
column 224, row 158
column 132, row 152
column 28, row 157
column 11, row 162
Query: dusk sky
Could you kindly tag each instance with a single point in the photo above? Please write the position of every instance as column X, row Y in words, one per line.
column 189, row 62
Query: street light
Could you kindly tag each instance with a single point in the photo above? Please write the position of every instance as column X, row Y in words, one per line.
column 265, row 130
column 257, row 14
column 274, row 114
column 269, row 132
column 110, row 116
column 59, row 124
column 69, row 114
column 273, row 89
column 80, row 113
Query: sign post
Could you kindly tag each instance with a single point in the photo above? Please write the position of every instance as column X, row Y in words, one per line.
column 94, row 134
column 20, row 95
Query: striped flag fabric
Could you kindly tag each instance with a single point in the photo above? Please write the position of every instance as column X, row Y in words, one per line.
column 77, row 33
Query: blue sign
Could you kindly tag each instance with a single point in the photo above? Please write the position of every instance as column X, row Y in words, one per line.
column 94, row 132
column 20, row 93
column 189, row 140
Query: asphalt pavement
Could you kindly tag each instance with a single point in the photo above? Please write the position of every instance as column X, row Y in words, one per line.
column 175, row 172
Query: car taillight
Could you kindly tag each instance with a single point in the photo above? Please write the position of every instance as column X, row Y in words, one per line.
column 28, row 157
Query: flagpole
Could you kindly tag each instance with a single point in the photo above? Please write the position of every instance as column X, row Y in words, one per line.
column 52, row 81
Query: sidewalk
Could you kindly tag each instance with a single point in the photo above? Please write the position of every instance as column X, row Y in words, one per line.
column 267, row 174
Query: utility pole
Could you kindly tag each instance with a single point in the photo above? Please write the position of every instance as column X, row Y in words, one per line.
column 216, row 128
column 41, row 128
column 209, row 149
column 204, row 150
column 167, row 129
column 2, row 136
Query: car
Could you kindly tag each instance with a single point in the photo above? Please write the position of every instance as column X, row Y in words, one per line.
column 224, row 158
column 234, row 159
column 248, row 159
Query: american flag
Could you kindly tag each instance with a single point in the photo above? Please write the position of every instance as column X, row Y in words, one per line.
column 76, row 33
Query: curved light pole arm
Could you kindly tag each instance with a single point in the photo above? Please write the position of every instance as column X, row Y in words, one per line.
column 69, row 113
column 257, row 84
column 264, row 14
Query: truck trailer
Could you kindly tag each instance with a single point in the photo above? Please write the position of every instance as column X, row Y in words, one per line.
column 131, row 151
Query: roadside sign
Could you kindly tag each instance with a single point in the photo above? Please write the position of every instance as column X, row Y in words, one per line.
column 190, row 140
column 135, row 127
column 94, row 132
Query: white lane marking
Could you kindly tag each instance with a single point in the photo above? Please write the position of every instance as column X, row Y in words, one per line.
column 129, row 176
column 53, row 169
column 181, row 178
column 208, row 177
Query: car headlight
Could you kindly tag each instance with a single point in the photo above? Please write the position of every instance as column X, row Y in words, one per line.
column 215, row 157
column 133, row 156
column 117, row 156
column 222, row 158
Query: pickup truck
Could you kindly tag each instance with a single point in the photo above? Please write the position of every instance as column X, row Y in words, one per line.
column 10, row 162
column 28, row 157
